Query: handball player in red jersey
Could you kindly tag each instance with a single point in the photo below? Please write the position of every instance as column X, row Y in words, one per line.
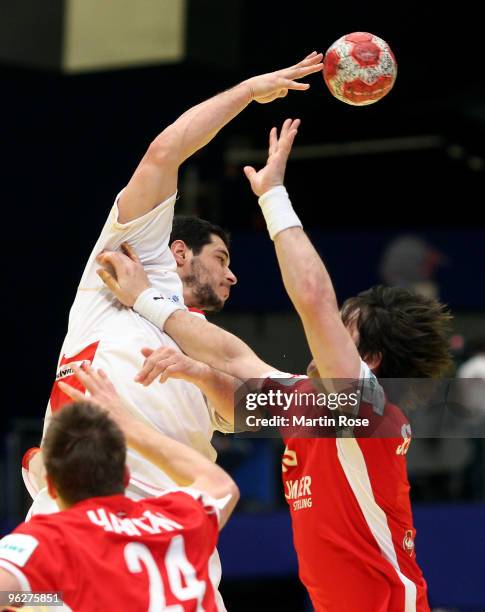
column 104, row 551
column 348, row 496
column 354, row 536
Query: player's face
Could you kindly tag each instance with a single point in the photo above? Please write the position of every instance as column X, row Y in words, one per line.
column 210, row 277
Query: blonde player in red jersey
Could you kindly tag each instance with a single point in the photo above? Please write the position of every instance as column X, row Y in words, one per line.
column 348, row 497
column 104, row 551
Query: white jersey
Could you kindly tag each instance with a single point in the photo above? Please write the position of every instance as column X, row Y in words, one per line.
column 111, row 336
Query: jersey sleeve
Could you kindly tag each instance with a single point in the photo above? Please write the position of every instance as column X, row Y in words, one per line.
column 204, row 504
column 211, row 506
column 36, row 557
column 148, row 234
column 371, row 391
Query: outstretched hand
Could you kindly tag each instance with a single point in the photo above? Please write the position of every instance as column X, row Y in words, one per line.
column 101, row 390
column 129, row 278
column 273, row 174
column 267, row 87
column 167, row 362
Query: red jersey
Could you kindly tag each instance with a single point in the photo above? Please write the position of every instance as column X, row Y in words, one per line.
column 351, row 514
column 111, row 553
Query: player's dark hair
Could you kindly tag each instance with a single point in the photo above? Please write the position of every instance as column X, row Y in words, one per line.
column 409, row 330
column 196, row 233
column 84, row 453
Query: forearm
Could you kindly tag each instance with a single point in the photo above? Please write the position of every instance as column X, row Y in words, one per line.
column 155, row 178
column 214, row 346
column 181, row 463
column 219, row 389
column 305, row 277
column 310, row 288
column 198, row 126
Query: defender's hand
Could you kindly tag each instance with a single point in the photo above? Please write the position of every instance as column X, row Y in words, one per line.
column 273, row 174
column 166, row 362
column 102, row 392
column 129, row 278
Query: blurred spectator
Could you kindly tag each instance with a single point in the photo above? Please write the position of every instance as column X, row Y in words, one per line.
column 451, row 467
column 411, row 262
column 437, row 466
column 473, row 391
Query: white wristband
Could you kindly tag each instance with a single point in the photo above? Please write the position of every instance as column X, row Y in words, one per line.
column 153, row 307
column 278, row 211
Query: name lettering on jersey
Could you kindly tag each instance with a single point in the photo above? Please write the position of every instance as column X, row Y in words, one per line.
column 300, row 491
column 149, row 522
column 66, row 370
column 402, row 449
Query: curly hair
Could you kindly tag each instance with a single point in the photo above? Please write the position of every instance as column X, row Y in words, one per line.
column 409, row 331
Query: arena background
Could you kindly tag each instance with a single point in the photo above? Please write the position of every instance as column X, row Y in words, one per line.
column 86, row 85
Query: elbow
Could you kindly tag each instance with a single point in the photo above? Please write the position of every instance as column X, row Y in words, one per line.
column 228, row 487
column 164, row 148
column 314, row 299
column 234, row 492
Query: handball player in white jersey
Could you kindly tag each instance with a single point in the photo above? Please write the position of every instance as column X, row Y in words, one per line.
column 110, row 336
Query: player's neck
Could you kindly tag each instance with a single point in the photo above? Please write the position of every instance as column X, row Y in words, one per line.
column 190, row 299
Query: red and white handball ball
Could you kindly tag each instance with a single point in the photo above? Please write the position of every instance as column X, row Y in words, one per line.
column 359, row 68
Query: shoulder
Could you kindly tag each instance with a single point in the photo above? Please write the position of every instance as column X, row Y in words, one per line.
column 20, row 546
column 186, row 501
column 44, row 526
column 283, row 380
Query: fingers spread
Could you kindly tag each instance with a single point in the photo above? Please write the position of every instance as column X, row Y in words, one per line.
column 73, row 393
column 273, row 141
column 86, row 375
column 298, row 86
column 249, row 171
column 312, row 54
column 312, row 59
column 286, row 125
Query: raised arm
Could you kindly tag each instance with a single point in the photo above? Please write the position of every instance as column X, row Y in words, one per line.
column 305, row 277
column 155, row 178
column 183, row 464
